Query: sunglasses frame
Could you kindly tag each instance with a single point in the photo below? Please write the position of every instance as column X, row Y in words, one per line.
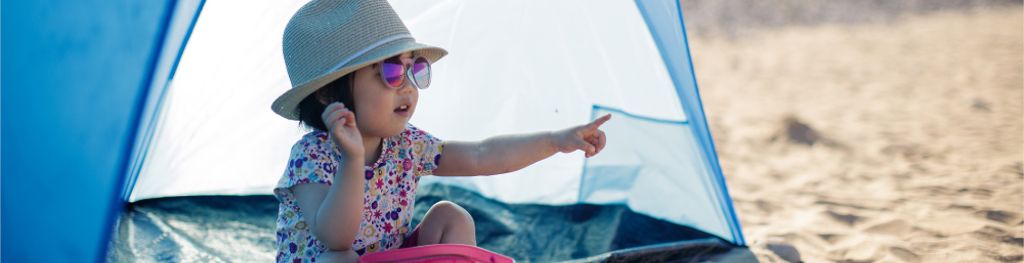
column 407, row 74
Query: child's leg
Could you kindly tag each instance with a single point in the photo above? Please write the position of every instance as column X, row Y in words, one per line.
column 447, row 223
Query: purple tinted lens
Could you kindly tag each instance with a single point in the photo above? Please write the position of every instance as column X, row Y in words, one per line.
column 421, row 72
column 392, row 72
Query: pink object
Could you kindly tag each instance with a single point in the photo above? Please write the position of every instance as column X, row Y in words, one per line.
column 447, row 253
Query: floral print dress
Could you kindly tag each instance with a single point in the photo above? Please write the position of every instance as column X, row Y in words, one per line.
column 388, row 192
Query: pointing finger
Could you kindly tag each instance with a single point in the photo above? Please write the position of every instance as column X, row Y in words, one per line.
column 598, row 122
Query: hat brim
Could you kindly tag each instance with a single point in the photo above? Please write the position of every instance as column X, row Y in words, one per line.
column 287, row 104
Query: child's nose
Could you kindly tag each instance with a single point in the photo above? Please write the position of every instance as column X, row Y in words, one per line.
column 406, row 87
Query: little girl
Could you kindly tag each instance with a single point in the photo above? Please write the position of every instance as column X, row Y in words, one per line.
column 350, row 184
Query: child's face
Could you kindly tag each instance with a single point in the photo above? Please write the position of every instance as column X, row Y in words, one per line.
column 382, row 111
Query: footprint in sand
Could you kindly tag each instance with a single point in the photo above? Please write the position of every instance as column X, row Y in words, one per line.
column 798, row 132
column 998, row 234
column 893, row 227
column 1005, row 217
column 832, row 238
column 904, row 254
column 944, row 226
column 784, row 250
column 848, row 219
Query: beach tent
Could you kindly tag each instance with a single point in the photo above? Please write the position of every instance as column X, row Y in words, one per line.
column 188, row 127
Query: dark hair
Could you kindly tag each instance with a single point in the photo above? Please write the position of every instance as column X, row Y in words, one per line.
column 310, row 108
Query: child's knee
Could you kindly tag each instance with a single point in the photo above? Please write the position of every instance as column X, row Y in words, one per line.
column 454, row 212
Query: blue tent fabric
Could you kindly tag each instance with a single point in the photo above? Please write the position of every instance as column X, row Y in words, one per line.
column 634, row 174
column 76, row 78
column 665, row 20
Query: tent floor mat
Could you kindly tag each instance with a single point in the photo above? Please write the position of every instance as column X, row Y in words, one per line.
column 241, row 229
column 700, row 250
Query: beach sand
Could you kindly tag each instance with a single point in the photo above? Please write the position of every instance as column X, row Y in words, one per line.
column 895, row 140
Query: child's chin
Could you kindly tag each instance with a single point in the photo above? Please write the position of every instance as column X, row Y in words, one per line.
column 395, row 130
column 387, row 131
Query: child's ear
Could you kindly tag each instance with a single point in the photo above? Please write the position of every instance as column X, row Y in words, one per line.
column 322, row 96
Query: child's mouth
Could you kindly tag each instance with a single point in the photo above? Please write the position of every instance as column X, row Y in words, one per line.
column 402, row 110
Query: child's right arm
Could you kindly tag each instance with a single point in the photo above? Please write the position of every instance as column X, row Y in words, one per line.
column 333, row 212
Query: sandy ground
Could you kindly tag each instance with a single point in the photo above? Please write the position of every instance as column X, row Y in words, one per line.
column 892, row 141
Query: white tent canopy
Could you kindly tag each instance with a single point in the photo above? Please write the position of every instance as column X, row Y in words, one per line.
column 514, row 66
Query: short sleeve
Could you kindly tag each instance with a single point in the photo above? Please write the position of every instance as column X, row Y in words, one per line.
column 312, row 160
column 426, row 151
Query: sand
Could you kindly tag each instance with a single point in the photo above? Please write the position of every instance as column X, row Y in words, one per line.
column 894, row 140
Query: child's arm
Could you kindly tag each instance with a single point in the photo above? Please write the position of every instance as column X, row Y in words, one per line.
column 332, row 212
column 509, row 153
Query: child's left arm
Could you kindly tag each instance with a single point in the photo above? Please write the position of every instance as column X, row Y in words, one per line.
column 509, row 153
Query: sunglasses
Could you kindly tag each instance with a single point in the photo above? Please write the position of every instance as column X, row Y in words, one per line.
column 394, row 73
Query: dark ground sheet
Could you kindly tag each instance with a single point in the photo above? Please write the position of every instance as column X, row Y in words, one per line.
column 241, row 229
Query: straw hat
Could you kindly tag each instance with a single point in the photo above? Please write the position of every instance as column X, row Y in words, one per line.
column 327, row 39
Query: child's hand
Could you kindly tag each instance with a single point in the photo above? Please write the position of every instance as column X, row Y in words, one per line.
column 587, row 138
column 341, row 126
